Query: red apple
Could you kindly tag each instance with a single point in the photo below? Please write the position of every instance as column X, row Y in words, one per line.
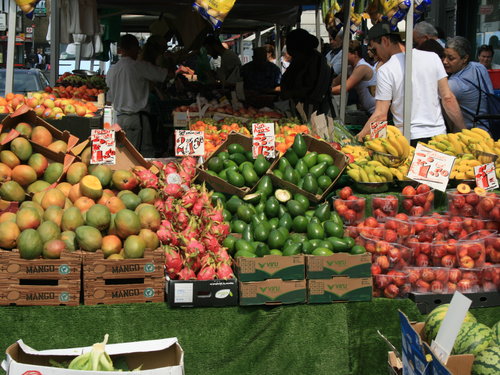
column 408, row 191
column 428, row 275
column 391, row 291
column 345, row 192
column 422, row 286
column 466, row 262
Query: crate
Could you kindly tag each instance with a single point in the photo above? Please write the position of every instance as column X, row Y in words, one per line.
column 123, row 281
column 495, row 78
column 47, row 282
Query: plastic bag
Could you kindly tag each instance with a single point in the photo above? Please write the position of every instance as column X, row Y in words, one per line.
column 214, row 11
column 27, row 6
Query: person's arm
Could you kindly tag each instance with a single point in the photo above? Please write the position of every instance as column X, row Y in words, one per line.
column 380, row 114
column 450, row 105
column 359, row 73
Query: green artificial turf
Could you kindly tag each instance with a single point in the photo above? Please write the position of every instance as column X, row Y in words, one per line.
column 330, row 339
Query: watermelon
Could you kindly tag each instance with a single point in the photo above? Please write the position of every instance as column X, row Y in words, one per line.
column 487, row 362
column 434, row 319
column 472, row 338
column 496, row 334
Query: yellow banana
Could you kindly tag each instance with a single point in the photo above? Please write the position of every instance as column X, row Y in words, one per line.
column 384, row 171
column 481, row 132
column 375, row 145
column 354, row 174
column 389, row 148
column 394, row 141
column 457, row 146
column 375, row 163
column 363, row 176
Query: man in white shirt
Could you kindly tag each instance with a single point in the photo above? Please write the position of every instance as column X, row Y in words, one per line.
column 430, row 88
column 128, row 82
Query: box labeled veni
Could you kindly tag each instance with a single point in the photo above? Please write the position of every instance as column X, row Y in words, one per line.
column 339, row 288
column 271, row 267
column 272, row 292
column 344, row 264
column 202, row 293
column 157, row 357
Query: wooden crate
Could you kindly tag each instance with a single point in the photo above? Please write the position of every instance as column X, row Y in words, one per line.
column 123, row 281
column 49, row 282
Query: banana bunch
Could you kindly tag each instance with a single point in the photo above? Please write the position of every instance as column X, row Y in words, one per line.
column 95, row 360
column 497, row 168
column 395, row 145
column 468, row 141
column 369, row 171
column 360, row 153
column 464, row 167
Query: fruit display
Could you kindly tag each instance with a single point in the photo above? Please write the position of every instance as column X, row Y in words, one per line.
column 350, row 207
column 48, row 105
column 467, row 141
column 417, row 202
column 310, row 171
column 237, row 166
column 273, row 221
column 487, row 362
column 369, row 171
column 391, row 151
column 79, row 87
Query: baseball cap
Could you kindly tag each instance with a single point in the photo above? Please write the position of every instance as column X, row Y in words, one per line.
column 380, row 29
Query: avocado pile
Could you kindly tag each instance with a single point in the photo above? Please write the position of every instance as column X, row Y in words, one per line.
column 310, row 171
column 238, row 166
column 273, row 221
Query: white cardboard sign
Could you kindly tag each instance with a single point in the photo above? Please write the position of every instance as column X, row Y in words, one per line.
column 486, row 176
column 189, row 143
column 264, row 140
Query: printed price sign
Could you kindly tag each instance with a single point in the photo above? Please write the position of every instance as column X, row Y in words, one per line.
column 486, row 177
column 378, row 129
column 431, row 167
column 103, row 146
column 189, row 143
column 264, row 141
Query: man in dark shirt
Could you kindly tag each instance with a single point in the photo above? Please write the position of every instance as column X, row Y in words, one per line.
column 260, row 74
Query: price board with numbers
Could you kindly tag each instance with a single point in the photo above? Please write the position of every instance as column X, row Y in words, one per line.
column 378, row 129
column 103, row 146
column 431, row 167
column 486, row 176
column 189, row 143
column 264, row 141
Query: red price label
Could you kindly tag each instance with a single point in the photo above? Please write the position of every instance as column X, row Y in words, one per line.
column 103, row 146
column 486, row 176
column 378, row 129
column 431, row 167
column 189, row 143
column 264, row 141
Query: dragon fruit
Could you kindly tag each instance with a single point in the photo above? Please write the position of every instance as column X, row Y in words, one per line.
column 224, row 271
column 173, row 262
column 194, row 247
column 170, row 168
column 207, row 273
column 147, row 178
column 174, row 190
column 186, row 274
column 211, row 243
column 190, row 198
column 221, row 230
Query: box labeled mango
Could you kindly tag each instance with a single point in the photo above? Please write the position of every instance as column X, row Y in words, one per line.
column 271, row 267
column 339, row 288
column 338, row 264
column 272, row 292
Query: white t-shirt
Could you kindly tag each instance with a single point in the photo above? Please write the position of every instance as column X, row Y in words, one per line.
column 427, row 69
column 128, row 82
column 366, row 100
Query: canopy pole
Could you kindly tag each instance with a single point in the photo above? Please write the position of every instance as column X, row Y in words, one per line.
column 408, row 73
column 277, row 44
column 78, row 55
column 345, row 50
column 11, row 43
column 318, row 30
column 54, row 42
column 258, row 38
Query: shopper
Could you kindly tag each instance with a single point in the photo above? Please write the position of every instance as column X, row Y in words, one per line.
column 334, row 57
column 128, row 83
column 485, row 55
column 270, row 53
column 469, row 81
column 308, row 78
column 424, row 31
column 229, row 72
column 430, row 88
column 362, row 79
column 260, row 74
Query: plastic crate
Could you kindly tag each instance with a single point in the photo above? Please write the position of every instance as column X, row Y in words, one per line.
column 495, row 78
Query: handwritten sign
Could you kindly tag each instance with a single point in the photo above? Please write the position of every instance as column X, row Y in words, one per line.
column 103, row 146
column 486, row 177
column 378, row 129
column 264, row 141
column 431, row 167
column 189, row 143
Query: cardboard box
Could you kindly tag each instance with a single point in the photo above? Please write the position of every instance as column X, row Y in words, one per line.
column 271, row 267
column 127, row 156
column 26, row 114
column 321, row 147
column 217, row 183
column 339, row 288
column 428, row 302
column 338, row 264
column 272, row 292
column 157, row 357
column 202, row 293
column 183, row 119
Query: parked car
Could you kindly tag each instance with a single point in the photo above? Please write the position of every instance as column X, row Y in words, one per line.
column 25, row 80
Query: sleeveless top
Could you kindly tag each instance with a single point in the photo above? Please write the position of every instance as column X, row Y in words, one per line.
column 366, row 99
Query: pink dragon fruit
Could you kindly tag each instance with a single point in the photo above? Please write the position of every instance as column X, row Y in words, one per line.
column 207, row 259
column 167, row 236
column 194, row 247
column 224, row 271
column 190, row 197
column 187, row 274
column 146, row 178
column 198, row 207
column 191, row 230
column 173, row 190
column 206, row 273
column 213, row 215
column 211, row 243
column 182, row 218
column 223, row 256
column 173, row 262
column 170, row 168
column 220, row 230
column 195, row 264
